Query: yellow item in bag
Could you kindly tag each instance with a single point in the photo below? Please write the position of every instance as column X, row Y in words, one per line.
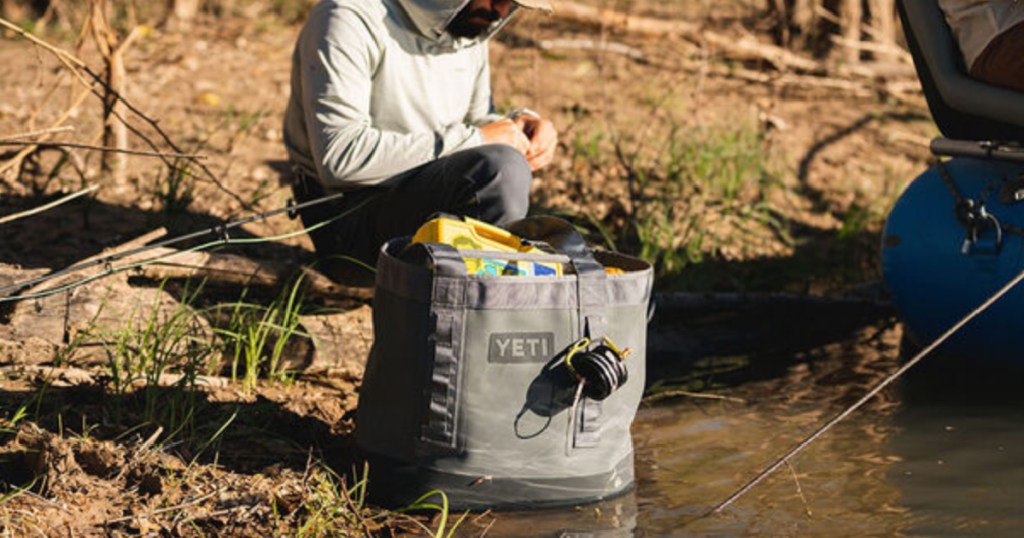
column 471, row 234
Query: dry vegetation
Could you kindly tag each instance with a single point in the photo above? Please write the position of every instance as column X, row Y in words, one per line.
column 736, row 145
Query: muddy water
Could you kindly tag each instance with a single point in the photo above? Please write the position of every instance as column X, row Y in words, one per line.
column 924, row 458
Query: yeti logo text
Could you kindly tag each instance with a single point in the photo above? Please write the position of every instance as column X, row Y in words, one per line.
column 521, row 347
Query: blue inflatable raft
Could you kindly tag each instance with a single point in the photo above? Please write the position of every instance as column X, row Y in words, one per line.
column 954, row 237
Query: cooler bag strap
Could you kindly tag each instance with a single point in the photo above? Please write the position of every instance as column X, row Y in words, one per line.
column 439, row 432
column 592, row 296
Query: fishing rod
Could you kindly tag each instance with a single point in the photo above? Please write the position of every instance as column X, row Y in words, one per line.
column 864, row 399
column 221, row 232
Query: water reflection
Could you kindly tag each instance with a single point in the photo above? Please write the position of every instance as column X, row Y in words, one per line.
column 961, row 447
column 614, row 518
column 938, row 454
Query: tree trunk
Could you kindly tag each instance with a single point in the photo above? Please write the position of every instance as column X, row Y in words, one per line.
column 182, row 13
column 883, row 22
column 843, row 28
column 115, row 133
column 851, row 17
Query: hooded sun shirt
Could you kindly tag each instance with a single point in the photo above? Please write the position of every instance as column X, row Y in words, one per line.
column 379, row 87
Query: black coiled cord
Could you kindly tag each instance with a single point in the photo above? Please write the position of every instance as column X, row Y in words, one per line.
column 602, row 370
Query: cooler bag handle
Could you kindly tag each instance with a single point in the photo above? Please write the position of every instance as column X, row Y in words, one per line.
column 591, row 278
column 591, row 297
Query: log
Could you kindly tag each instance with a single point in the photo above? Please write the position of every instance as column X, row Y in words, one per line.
column 139, row 241
column 39, row 328
column 746, row 47
column 234, row 271
column 338, row 337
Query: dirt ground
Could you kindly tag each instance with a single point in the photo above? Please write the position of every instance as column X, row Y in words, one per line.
column 82, row 460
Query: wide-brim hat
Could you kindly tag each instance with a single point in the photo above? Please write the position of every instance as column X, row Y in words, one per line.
column 543, row 5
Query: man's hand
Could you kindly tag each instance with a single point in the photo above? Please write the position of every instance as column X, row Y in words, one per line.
column 543, row 139
column 507, row 132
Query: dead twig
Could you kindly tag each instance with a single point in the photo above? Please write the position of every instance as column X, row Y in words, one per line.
column 149, row 515
column 799, row 490
column 56, row 51
column 93, row 81
column 17, row 159
column 105, row 149
column 38, row 133
column 51, row 205
column 688, row 394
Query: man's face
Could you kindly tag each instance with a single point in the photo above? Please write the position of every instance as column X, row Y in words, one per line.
column 477, row 17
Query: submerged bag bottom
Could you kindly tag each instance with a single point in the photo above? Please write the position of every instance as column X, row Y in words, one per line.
column 397, row 483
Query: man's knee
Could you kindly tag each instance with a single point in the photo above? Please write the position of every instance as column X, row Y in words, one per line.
column 502, row 180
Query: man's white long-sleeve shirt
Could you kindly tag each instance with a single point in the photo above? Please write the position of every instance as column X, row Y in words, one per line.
column 379, row 87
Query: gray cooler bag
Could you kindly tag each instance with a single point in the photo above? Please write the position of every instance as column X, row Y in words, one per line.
column 467, row 389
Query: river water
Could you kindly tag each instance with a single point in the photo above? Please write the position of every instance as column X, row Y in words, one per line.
column 940, row 453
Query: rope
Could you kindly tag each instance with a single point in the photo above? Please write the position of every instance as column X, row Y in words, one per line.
column 878, row 388
column 967, row 210
column 220, row 232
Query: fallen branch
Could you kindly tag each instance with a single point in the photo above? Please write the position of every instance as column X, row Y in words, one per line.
column 591, row 45
column 76, row 146
column 51, row 205
column 849, row 88
column 609, row 18
column 894, row 51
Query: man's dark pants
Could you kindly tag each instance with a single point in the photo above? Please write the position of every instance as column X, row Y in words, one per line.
column 489, row 183
column 1002, row 61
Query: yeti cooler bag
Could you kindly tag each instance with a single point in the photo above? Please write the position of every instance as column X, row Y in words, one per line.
column 504, row 391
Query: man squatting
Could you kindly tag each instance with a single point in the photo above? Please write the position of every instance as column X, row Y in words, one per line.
column 391, row 106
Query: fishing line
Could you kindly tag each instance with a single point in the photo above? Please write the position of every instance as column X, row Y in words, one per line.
column 878, row 388
column 221, row 231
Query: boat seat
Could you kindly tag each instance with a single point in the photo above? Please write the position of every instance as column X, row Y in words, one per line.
column 963, row 107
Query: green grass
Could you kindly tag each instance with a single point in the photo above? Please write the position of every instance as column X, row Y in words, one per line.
column 146, row 348
column 174, row 188
column 256, row 336
column 333, row 507
column 691, row 196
